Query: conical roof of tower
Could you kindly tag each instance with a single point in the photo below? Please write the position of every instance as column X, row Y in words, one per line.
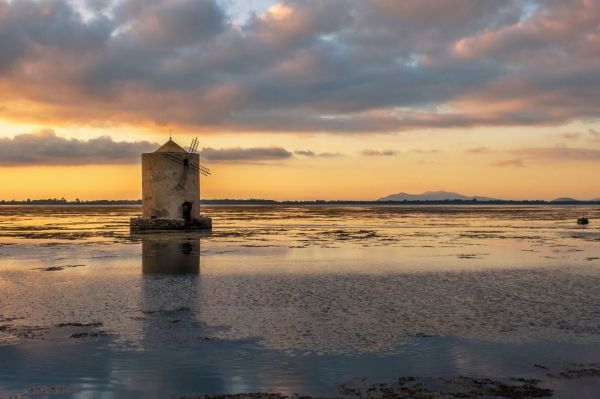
column 170, row 146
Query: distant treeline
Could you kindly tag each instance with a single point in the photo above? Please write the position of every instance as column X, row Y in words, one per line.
column 63, row 201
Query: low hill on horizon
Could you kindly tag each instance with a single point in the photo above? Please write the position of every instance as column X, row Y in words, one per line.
column 433, row 196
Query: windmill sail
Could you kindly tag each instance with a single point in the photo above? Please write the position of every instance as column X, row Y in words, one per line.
column 194, row 166
column 182, row 179
column 193, row 146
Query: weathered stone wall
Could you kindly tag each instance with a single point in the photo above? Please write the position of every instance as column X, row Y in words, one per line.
column 162, row 198
column 197, row 223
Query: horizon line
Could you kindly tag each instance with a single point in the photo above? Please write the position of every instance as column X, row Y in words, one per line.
column 64, row 201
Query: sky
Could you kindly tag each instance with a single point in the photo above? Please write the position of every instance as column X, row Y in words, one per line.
column 302, row 99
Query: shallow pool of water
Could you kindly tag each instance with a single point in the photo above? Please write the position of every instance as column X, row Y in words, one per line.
column 297, row 299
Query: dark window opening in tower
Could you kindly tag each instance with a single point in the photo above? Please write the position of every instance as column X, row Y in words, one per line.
column 186, row 208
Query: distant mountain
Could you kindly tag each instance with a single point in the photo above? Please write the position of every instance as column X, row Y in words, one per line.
column 433, row 196
column 564, row 199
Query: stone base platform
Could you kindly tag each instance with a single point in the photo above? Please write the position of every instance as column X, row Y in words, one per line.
column 198, row 223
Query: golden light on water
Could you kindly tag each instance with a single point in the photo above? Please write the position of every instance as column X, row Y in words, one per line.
column 453, row 103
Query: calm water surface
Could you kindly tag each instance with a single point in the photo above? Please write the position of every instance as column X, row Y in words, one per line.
column 295, row 299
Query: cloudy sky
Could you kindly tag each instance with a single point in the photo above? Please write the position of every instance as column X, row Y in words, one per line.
column 303, row 99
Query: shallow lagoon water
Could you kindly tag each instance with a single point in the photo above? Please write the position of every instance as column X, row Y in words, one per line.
column 296, row 299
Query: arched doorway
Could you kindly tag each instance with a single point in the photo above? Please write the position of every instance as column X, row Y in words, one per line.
column 186, row 209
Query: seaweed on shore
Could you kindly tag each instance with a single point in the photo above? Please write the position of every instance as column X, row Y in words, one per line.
column 60, row 332
column 417, row 388
column 92, row 334
column 448, row 387
column 574, row 371
column 58, row 268
column 78, row 324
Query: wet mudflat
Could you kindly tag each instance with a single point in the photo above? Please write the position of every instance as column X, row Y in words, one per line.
column 397, row 301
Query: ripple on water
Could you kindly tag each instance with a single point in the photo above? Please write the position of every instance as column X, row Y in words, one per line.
column 298, row 294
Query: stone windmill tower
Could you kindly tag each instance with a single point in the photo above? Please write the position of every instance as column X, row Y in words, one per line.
column 171, row 189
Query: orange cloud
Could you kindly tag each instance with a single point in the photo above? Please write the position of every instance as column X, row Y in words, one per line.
column 300, row 66
column 510, row 162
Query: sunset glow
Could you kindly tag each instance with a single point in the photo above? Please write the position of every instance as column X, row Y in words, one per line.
column 302, row 100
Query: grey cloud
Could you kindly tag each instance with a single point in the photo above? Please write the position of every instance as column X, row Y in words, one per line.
column 591, row 135
column 170, row 23
column 28, row 29
column 457, row 16
column 571, row 135
column 330, row 154
column 559, row 152
column 46, row 148
column 424, row 151
column 510, row 162
column 378, row 153
column 306, row 153
column 311, row 65
column 244, row 154
column 479, row 150
column 312, row 154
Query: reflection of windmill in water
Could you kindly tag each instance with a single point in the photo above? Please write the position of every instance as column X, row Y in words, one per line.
column 171, row 189
column 170, row 284
column 164, row 254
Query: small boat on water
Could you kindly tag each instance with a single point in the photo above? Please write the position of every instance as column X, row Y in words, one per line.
column 583, row 220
